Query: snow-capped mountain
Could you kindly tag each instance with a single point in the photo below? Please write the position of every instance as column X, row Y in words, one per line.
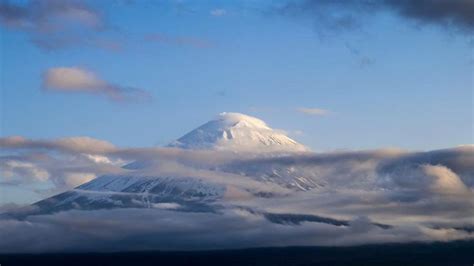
column 237, row 165
column 140, row 187
column 238, row 132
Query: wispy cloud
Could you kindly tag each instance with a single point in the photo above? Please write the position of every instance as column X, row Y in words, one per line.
column 76, row 79
column 313, row 111
column 361, row 60
column 218, row 12
column 57, row 24
column 68, row 145
column 42, row 16
column 179, row 40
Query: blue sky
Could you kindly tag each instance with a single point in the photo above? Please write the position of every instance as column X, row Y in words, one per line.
column 390, row 83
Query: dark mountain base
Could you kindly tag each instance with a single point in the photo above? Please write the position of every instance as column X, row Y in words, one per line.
column 454, row 253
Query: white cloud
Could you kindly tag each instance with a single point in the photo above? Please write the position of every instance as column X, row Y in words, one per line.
column 445, row 180
column 70, row 144
column 65, row 162
column 100, row 159
column 18, row 171
column 313, row 111
column 85, row 144
column 76, row 79
column 73, row 79
column 76, row 179
column 54, row 24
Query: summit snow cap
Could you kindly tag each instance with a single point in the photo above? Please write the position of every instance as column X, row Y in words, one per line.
column 238, row 132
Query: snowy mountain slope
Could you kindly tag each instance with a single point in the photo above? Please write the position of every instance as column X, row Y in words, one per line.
column 301, row 175
column 296, row 177
column 122, row 191
column 229, row 132
column 238, row 132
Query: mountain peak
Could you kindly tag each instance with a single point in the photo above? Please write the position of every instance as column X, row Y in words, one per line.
column 238, row 119
column 238, row 132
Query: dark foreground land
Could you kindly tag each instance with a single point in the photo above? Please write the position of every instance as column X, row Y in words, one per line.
column 454, row 253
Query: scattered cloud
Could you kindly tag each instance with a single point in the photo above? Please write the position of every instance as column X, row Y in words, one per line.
column 13, row 169
column 68, row 145
column 76, row 79
column 40, row 16
column 179, row 40
column 313, row 111
column 332, row 17
column 218, row 12
column 65, row 162
column 55, row 24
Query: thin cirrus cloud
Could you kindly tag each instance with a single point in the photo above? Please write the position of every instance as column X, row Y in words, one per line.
column 189, row 41
column 313, row 111
column 57, row 24
column 41, row 16
column 80, row 80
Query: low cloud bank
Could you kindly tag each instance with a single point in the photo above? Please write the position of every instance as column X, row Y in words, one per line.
column 380, row 195
column 148, row 229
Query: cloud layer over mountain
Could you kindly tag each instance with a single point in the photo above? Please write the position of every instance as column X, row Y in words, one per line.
column 413, row 196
